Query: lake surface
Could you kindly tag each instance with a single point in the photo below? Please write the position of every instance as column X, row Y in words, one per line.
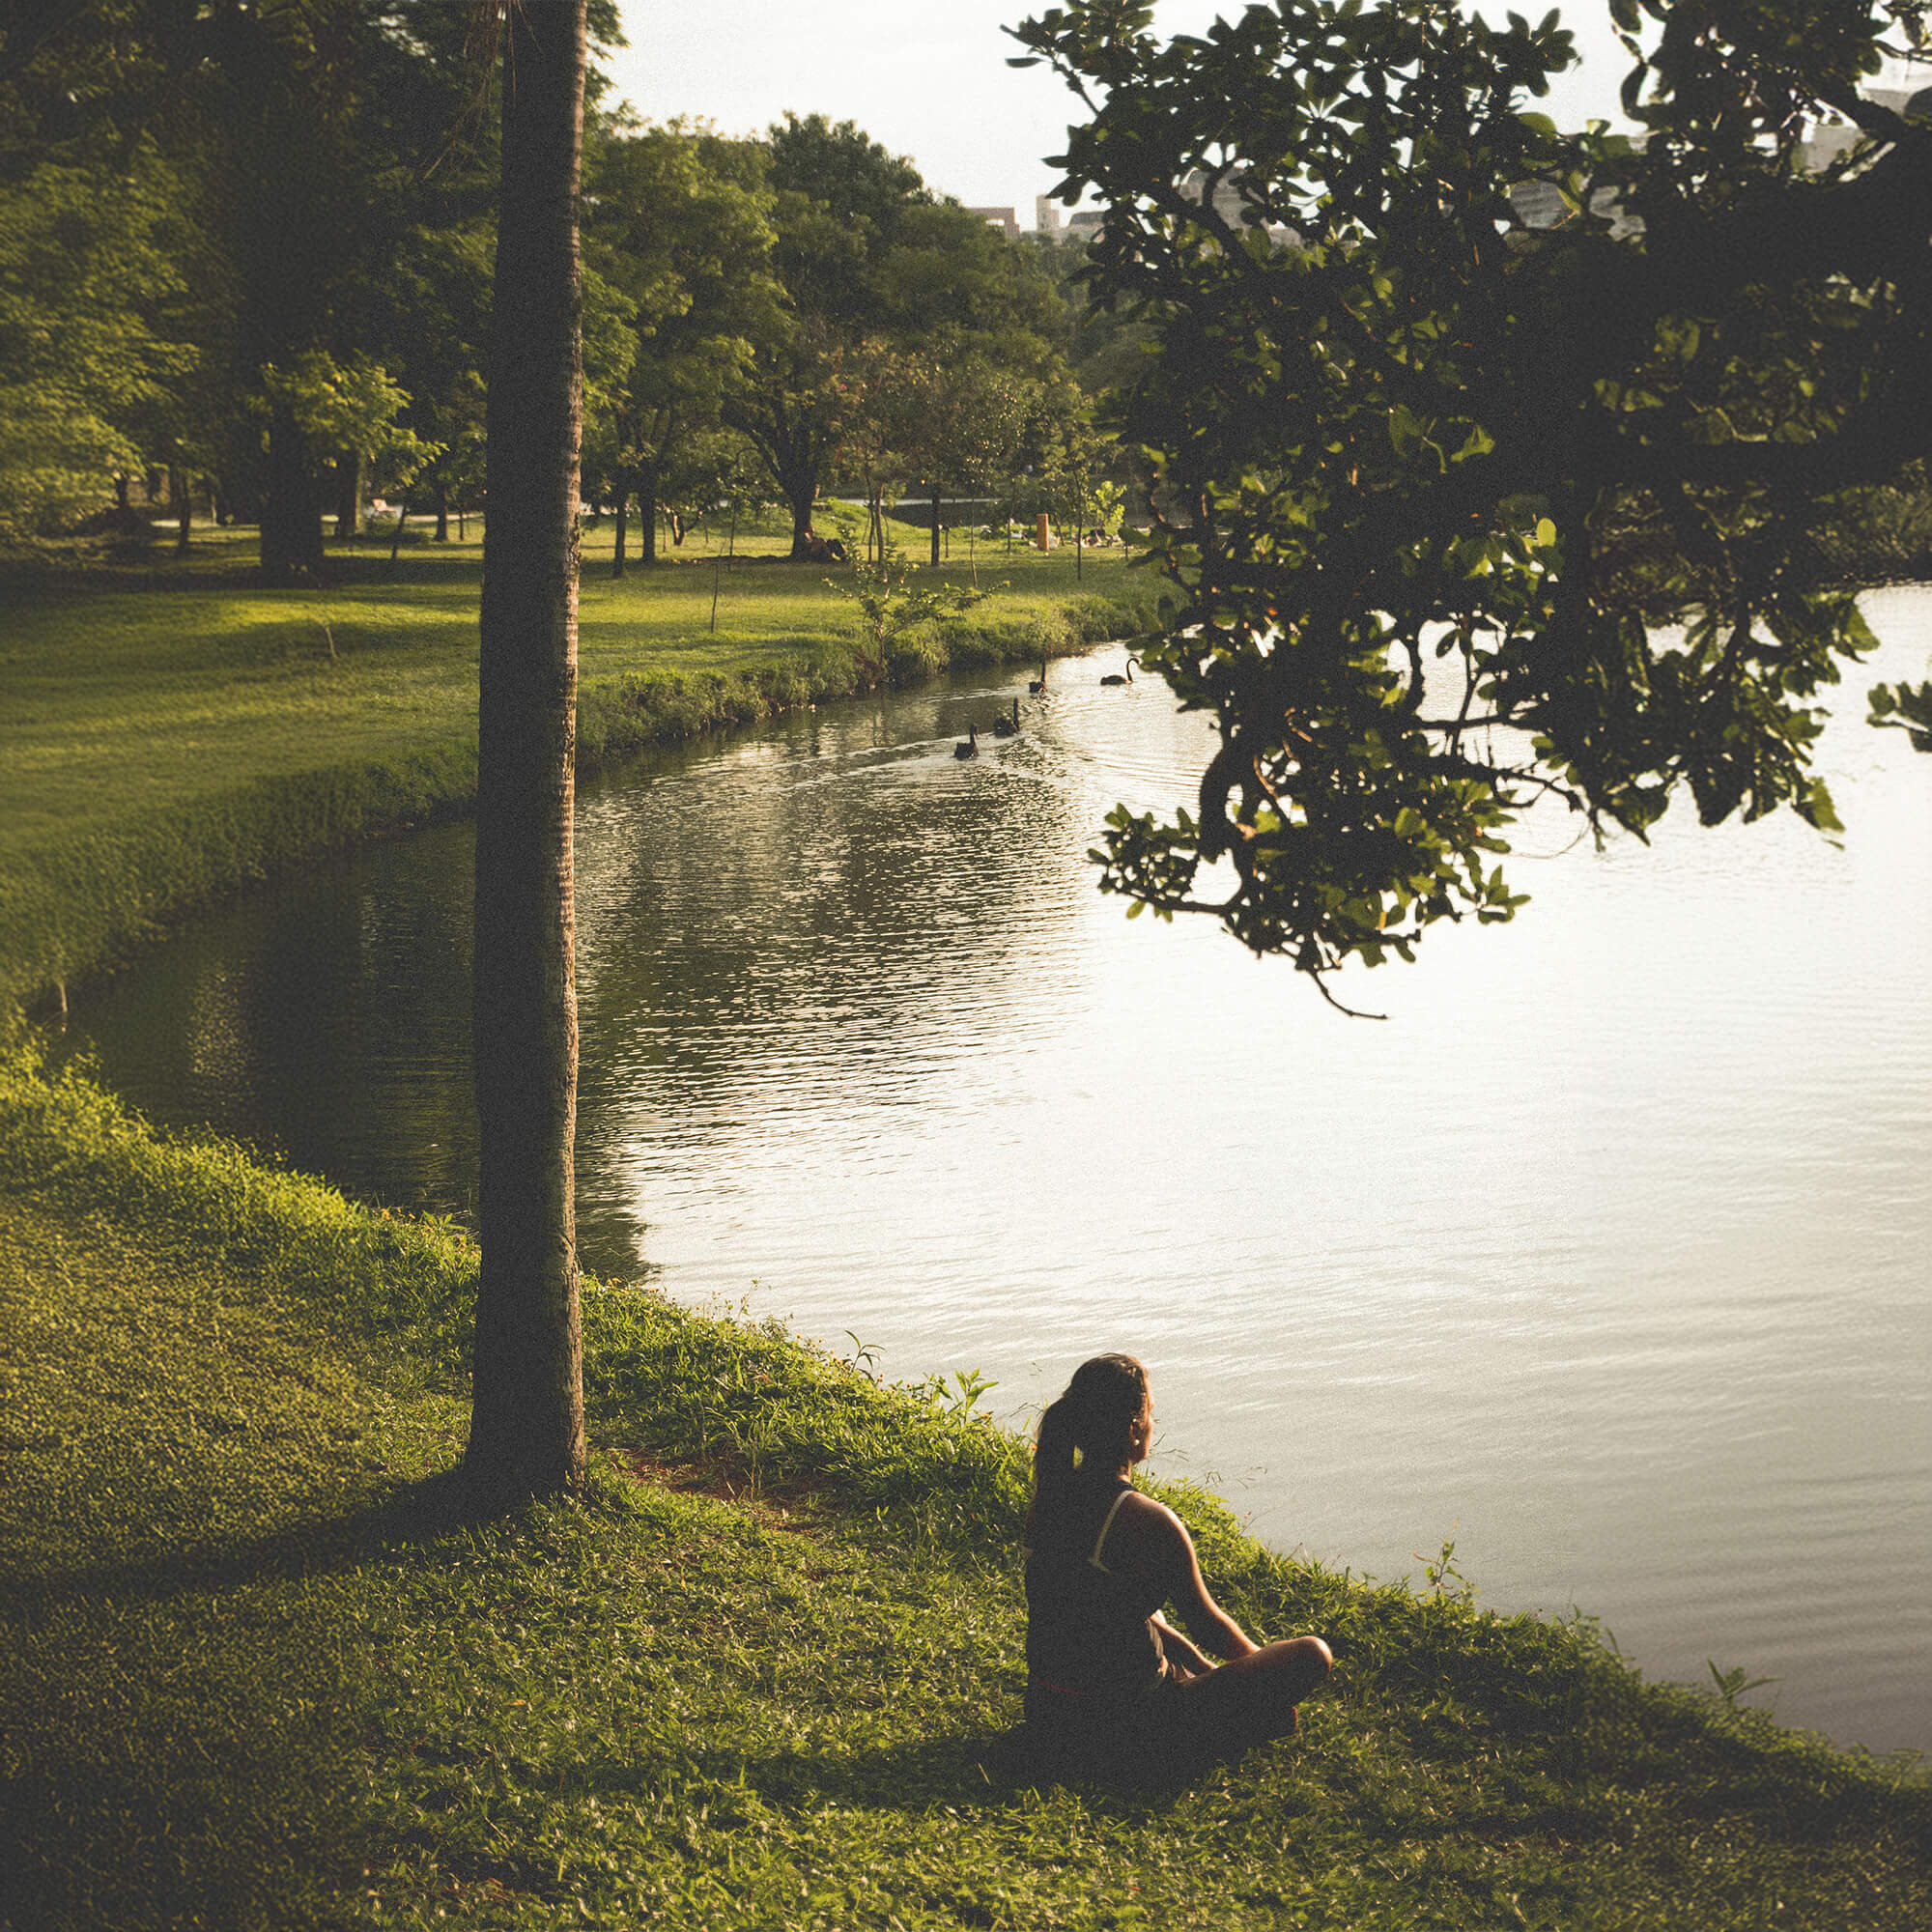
column 1606, row 1254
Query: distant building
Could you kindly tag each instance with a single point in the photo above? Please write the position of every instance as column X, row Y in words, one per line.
column 1828, row 141
column 1005, row 219
column 1082, row 225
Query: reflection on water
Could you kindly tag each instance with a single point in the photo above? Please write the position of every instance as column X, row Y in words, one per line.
column 1605, row 1255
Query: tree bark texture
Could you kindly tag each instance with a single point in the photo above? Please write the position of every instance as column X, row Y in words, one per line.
column 291, row 507
column 647, row 478
column 527, row 1428
column 801, row 492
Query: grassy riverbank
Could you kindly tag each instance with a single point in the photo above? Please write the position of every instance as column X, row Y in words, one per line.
column 169, row 731
column 262, row 1671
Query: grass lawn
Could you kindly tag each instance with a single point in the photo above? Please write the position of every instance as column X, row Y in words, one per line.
column 262, row 1670
column 129, row 690
column 171, row 692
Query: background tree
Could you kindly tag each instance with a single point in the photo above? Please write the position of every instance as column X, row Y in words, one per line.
column 352, row 407
column 873, row 268
column 430, row 313
column 838, row 200
column 526, row 1429
column 982, row 326
column 85, row 357
column 680, row 230
column 1460, row 514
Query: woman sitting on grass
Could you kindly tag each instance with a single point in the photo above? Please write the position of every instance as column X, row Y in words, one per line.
column 1105, row 1671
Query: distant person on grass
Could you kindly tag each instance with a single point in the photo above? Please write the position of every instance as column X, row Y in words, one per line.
column 1108, row 1678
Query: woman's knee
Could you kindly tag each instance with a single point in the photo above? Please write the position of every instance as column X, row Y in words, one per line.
column 1306, row 1659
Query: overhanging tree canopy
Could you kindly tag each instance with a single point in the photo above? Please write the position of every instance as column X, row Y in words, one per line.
column 1462, row 512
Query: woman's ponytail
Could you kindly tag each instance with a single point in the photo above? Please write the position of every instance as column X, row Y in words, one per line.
column 1053, row 1450
column 1093, row 1422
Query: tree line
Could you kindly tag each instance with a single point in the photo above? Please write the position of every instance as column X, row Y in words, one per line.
column 253, row 246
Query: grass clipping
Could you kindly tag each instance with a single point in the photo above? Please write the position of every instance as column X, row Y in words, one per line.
column 264, row 1672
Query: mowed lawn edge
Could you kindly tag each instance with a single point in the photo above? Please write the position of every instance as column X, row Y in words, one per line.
column 264, row 1671
column 166, row 737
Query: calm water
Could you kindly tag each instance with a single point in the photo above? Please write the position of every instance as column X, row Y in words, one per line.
column 1606, row 1254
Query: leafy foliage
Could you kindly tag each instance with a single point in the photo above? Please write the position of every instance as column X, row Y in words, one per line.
column 917, row 340
column 351, row 406
column 1909, row 707
column 83, row 349
column 1461, row 513
column 680, row 228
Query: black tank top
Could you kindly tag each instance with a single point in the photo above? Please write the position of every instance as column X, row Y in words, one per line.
column 1089, row 1630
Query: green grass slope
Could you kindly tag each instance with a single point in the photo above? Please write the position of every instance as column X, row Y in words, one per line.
column 262, row 1671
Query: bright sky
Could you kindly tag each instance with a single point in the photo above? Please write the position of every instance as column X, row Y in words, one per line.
column 928, row 77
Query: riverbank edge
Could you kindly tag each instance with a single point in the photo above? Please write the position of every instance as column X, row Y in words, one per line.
column 82, row 905
column 751, row 1412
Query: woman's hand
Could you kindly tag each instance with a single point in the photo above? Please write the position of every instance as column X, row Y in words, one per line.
column 1183, row 1655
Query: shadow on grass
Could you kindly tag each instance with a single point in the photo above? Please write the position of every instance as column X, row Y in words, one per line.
column 983, row 1771
column 320, row 1544
column 233, row 566
column 186, row 1729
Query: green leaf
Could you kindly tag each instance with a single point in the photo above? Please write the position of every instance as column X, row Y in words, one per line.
column 1818, row 808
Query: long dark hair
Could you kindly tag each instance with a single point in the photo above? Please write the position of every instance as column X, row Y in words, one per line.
column 1089, row 1430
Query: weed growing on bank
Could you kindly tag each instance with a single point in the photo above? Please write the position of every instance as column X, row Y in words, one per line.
column 265, row 1671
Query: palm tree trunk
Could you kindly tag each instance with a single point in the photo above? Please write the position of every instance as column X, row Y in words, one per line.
column 527, row 1426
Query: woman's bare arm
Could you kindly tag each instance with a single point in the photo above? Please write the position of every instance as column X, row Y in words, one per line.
column 1170, row 1553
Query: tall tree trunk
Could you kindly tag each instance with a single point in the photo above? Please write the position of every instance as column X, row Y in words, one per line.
column 291, row 508
column 526, row 1425
column 935, row 526
column 647, row 511
column 442, row 510
column 801, row 492
column 618, row 548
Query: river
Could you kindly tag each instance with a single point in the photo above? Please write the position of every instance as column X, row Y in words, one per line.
column 1606, row 1254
